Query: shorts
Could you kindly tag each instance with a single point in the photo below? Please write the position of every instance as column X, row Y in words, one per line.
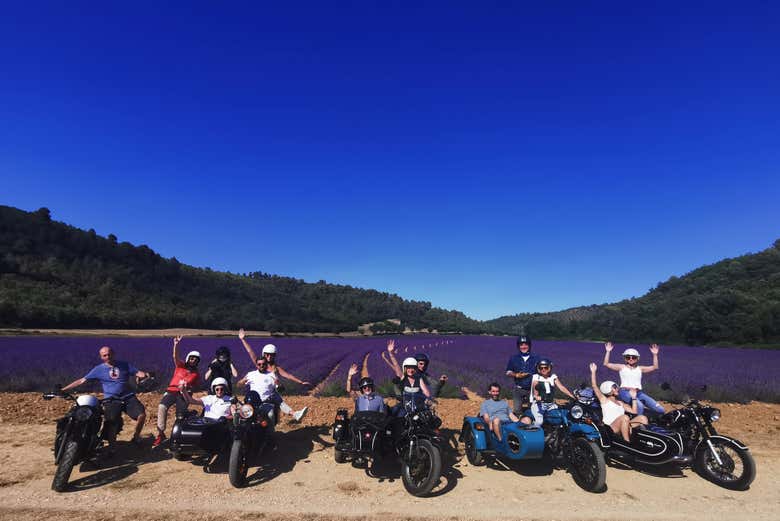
column 130, row 405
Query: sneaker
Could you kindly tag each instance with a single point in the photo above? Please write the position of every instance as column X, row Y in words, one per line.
column 298, row 416
column 158, row 440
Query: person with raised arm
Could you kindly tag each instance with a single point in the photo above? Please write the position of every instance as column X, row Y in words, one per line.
column 423, row 362
column 272, row 368
column 365, row 398
column 185, row 377
column 613, row 411
column 631, row 377
column 118, row 397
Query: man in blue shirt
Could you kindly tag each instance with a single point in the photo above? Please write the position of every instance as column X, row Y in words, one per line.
column 118, row 397
column 521, row 367
column 366, row 399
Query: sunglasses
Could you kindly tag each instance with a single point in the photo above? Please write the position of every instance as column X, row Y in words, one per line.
column 220, row 388
column 631, row 357
column 544, row 367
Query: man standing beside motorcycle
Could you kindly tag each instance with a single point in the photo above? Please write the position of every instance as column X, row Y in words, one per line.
column 521, row 367
column 114, row 376
column 185, row 376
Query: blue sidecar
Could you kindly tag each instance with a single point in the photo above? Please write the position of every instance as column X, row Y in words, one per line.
column 518, row 441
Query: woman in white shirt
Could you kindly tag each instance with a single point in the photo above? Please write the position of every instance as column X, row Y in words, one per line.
column 613, row 411
column 543, row 385
column 631, row 377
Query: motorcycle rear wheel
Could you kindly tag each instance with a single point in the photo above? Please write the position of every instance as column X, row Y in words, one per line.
column 587, row 465
column 422, row 473
column 736, row 471
column 238, row 465
column 65, row 467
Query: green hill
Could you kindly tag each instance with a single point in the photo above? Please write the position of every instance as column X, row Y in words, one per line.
column 55, row 275
column 734, row 301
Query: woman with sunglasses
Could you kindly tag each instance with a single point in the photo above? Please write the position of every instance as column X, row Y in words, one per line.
column 543, row 385
column 631, row 377
column 365, row 399
column 613, row 411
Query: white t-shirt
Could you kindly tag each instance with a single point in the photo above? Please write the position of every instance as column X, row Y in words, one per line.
column 611, row 411
column 214, row 407
column 263, row 384
column 548, row 383
column 631, row 378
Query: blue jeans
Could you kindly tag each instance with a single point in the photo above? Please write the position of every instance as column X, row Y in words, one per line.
column 642, row 401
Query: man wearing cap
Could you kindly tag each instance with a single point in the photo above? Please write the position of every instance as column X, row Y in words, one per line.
column 521, row 367
column 114, row 376
column 185, row 377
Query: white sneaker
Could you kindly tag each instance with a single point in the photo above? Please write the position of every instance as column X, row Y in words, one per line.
column 298, row 416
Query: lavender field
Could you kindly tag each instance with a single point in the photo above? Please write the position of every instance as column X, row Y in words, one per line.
column 722, row 374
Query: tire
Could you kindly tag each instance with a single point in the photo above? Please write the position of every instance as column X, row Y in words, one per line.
column 339, row 456
column 587, row 466
column 238, row 466
column 422, row 473
column 472, row 454
column 177, row 454
column 65, row 467
column 737, row 471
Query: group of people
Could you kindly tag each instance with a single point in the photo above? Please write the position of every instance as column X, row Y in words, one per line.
column 533, row 394
column 622, row 406
column 118, row 395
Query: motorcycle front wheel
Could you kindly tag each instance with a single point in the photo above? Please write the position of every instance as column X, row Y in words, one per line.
column 422, row 472
column 736, row 470
column 238, row 466
column 587, row 465
column 65, row 466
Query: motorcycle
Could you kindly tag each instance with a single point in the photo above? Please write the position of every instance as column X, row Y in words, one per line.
column 564, row 438
column 414, row 439
column 652, row 445
column 195, row 435
column 250, row 432
column 723, row 460
column 78, row 437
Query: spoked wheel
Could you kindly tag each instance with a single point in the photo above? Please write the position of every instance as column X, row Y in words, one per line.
column 736, row 469
column 422, row 473
column 587, row 465
column 472, row 454
column 238, row 465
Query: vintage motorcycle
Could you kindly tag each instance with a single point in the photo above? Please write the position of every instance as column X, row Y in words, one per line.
column 725, row 461
column 564, row 438
column 251, row 431
column 414, row 439
column 78, row 437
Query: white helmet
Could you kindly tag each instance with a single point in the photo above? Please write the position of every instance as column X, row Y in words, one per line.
column 88, row 400
column 269, row 349
column 606, row 387
column 218, row 381
column 411, row 361
column 196, row 354
column 631, row 352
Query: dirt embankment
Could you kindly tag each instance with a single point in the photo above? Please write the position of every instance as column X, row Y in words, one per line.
column 300, row 481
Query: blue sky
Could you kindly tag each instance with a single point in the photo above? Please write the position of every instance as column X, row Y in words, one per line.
column 493, row 158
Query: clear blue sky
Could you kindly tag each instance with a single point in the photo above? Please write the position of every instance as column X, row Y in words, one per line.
column 492, row 158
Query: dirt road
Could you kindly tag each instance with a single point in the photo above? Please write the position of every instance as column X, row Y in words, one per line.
column 300, row 480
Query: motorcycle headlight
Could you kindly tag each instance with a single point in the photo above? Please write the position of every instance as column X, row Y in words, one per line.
column 714, row 415
column 576, row 412
column 246, row 411
column 83, row 414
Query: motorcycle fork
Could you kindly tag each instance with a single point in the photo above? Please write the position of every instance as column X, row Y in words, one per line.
column 705, row 429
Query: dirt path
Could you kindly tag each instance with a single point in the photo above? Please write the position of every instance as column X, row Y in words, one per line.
column 300, row 480
column 321, row 385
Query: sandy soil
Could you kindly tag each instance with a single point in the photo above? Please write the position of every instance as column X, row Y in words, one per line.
column 300, row 480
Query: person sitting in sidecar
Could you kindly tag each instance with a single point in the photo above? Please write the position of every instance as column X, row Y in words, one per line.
column 613, row 411
column 496, row 412
column 365, row 398
column 207, row 433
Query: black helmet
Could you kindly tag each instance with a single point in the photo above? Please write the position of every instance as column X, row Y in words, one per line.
column 223, row 351
column 366, row 381
column 544, row 362
column 522, row 339
column 422, row 357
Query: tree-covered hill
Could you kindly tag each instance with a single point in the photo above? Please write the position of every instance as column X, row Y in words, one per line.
column 56, row 275
column 734, row 301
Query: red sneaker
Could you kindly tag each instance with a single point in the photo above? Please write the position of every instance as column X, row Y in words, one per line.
column 158, row 440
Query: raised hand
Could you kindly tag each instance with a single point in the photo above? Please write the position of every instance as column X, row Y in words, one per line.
column 177, row 339
column 654, row 349
column 390, row 346
column 353, row 369
column 241, row 334
column 608, row 347
column 592, row 367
